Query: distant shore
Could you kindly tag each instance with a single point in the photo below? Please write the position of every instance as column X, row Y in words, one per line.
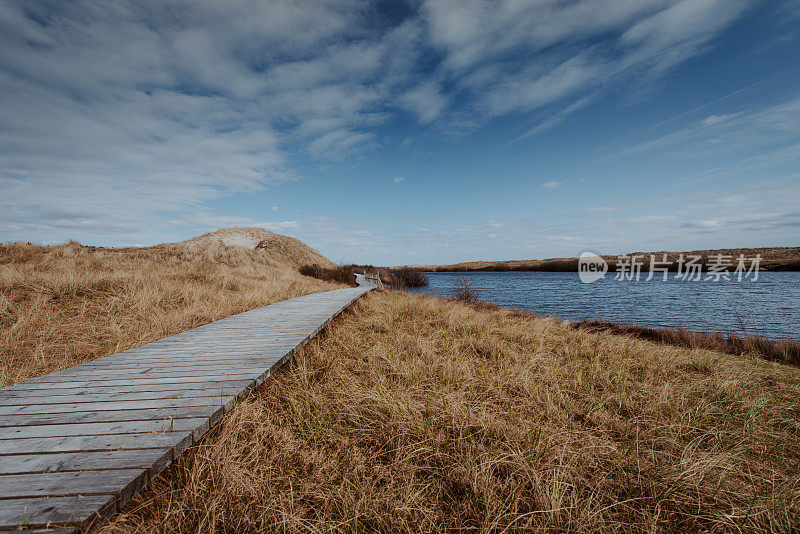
column 771, row 259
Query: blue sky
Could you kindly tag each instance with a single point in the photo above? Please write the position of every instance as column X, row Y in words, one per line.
column 404, row 132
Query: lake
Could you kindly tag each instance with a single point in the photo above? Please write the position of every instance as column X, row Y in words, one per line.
column 769, row 306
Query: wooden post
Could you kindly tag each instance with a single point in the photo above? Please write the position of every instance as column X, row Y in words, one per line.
column 375, row 278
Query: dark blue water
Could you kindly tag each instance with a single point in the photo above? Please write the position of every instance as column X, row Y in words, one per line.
column 769, row 306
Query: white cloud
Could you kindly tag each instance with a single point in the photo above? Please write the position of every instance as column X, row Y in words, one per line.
column 552, row 185
column 425, row 100
column 677, row 32
column 747, row 133
column 713, row 120
column 556, row 118
column 398, row 179
column 520, row 56
column 129, row 112
column 120, row 117
column 472, row 32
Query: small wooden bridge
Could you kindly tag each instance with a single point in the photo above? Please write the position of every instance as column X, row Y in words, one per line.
column 77, row 444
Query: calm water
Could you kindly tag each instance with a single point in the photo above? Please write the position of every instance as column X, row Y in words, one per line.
column 769, row 306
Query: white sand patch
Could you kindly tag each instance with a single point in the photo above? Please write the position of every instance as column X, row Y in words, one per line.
column 233, row 237
column 281, row 248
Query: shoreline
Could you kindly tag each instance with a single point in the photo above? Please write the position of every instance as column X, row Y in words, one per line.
column 696, row 307
column 782, row 350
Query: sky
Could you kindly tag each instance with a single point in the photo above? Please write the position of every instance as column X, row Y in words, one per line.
column 397, row 132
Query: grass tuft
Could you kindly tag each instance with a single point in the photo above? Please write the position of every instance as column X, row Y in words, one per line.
column 464, row 292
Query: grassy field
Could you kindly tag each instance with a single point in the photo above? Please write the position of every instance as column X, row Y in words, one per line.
column 63, row 305
column 416, row 414
column 772, row 258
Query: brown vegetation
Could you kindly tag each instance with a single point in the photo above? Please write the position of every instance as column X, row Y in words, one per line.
column 407, row 277
column 417, row 414
column 463, row 291
column 784, row 351
column 63, row 305
column 341, row 275
column 772, row 259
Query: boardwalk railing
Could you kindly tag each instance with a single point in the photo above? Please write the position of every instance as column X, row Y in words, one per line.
column 374, row 278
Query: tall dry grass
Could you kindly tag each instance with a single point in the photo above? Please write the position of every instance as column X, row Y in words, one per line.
column 339, row 274
column 776, row 350
column 406, row 277
column 64, row 305
column 416, row 414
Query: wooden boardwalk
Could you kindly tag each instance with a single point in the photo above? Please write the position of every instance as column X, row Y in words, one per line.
column 77, row 444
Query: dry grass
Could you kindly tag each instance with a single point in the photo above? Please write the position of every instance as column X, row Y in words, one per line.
column 776, row 350
column 406, row 277
column 417, row 414
column 64, row 305
column 342, row 275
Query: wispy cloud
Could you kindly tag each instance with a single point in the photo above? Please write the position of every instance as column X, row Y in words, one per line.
column 763, row 134
column 120, row 118
column 483, row 45
column 426, row 101
column 128, row 112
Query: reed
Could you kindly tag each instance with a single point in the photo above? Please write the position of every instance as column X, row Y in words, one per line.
column 777, row 350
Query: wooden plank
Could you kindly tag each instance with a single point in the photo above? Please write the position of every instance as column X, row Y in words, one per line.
column 135, row 387
column 122, row 482
column 145, row 381
column 180, row 363
column 115, row 405
column 56, row 530
column 108, row 442
column 126, row 377
column 97, row 429
column 41, row 396
column 42, row 512
column 153, row 459
column 143, row 366
column 212, row 412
